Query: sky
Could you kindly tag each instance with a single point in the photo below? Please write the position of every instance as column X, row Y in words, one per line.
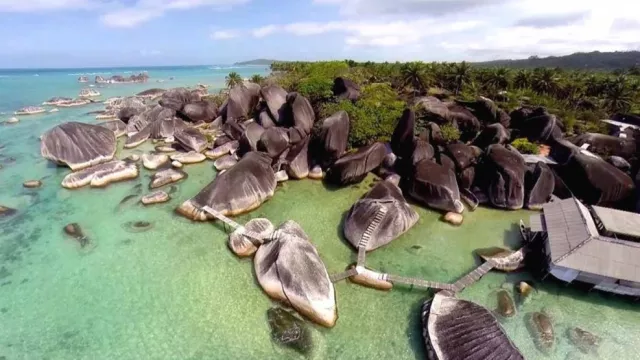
column 94, row 33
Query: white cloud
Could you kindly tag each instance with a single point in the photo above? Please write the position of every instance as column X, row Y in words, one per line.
column 264, row 31
column 224, row 34
column 44, row 5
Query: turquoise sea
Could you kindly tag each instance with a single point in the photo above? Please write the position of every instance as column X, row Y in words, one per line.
column 175, row 291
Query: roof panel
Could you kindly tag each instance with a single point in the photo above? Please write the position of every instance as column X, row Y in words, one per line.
column 618, row 221
column 617, row 260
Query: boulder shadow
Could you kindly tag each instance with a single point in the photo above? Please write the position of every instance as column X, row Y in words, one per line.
column 414, row 330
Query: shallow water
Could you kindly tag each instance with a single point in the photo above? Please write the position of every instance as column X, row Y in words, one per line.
column 175, row 291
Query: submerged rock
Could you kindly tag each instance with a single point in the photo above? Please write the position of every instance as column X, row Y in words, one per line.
column 7, row 211
column 524, row 290
column 154, row 161
column 453, row 218
column 189, row 158
column 78, row 145
column 240, row 189
column 500, row 256
column 31, row 184
column 289, row 269
column 244, row 246
column 101, row 175
column 225, row 162
column 133, row 158
column 585, row 341
column 316, row 173
column 137, row 226
column 541, row 329
column 370, row 279
column 74, row 231
column 353, row 168
column 176, row 164
column 155, row 198
column 506, row 305
column 288, row 330
column 166, row 176
column 399, row 217
column 460, row 329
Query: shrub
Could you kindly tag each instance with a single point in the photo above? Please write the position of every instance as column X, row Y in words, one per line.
column 373, row 117
column 524, row 146
column 450, row 133
column 217, row 99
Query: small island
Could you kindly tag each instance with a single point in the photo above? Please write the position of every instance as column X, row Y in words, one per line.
column 267, row 62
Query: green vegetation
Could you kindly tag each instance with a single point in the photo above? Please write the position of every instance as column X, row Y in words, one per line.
column 525, row 146
column 579, row 98
column 373, row 117
column 255, row 62
column 450, row 133
column 592, row 60
column 233, row 79
column 256, row 78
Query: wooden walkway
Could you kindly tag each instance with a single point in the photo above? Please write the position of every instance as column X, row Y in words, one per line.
column 467, row 280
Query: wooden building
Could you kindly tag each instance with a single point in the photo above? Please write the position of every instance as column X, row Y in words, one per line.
column 589, row 244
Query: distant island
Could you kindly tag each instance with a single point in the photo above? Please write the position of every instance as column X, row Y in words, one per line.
column 595, row 60
column 256, row 62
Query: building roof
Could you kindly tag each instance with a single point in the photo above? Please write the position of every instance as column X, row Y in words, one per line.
column 619, row 222
column 575, row 243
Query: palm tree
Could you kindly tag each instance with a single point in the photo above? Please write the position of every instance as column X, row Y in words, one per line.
column 523, row 79
column 545, row 81
column 498, row 79
column 618, row 96
column 233, row 79
column 461, row 75
column 414, row 75
column 256, row 78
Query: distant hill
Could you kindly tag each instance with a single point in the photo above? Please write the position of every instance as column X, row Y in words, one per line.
column 592, row 61
column 256, row 62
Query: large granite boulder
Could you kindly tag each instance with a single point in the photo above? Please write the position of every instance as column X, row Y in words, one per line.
column 137, row 138
column 595, row 181
column 492, row 134
column 487, row 111
column 333, row 138
column 101, row 175
column 199, row 111
column 403, row 135
column 539, row 184
column 166, row 128
column 191, row 139
column 544, row 128
column 249, row 139
column 399, row 216
column 353, row 168
column 432, row 134
column 275, row 99
column 464, row 120
column 503, row 174
column 240, row 189
column 139, row 122
column 299, row 112
column 241, row 102
column 345, row 89
column 463, row 155
column 435, row 186
column 290, row 270
column 460, row 329
column 176, row 99
column 422, row 150
column 432, row 109
column 78, row 145
column 151, row 93
column 117, row 126
column 298, row 160
column 606, row 145
column 273, row 141
column 263, row 118
column 521, row 115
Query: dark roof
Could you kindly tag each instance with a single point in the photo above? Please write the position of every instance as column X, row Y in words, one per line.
column 574, row 243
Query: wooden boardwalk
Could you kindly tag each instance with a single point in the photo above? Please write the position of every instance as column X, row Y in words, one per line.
column 465, row 281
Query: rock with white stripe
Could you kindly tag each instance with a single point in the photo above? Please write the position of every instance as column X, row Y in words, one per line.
column 242, row 245
column 154, row 161
column 399, row 217
column 78, row 145
column 166, row 176
column 289, row 269
column 101, row 175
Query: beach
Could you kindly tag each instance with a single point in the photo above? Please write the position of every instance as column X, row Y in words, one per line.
column 175, row 291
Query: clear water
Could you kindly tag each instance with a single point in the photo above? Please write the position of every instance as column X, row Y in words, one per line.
column 177, row 292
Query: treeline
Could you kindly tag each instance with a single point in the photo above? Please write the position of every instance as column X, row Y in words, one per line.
column 612, row 61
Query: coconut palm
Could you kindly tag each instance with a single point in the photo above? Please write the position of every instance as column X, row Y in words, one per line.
column 414, row 75
column 523, row 79
column 233, row 79
column 461, row 75
column 618, row 96
column 256, row 78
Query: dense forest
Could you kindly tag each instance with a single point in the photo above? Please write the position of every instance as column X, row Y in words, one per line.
column 613, row 61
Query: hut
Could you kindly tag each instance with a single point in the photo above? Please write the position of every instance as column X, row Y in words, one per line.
column 593, row 245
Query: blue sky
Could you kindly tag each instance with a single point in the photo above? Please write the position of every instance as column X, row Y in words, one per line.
column 73, row 33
